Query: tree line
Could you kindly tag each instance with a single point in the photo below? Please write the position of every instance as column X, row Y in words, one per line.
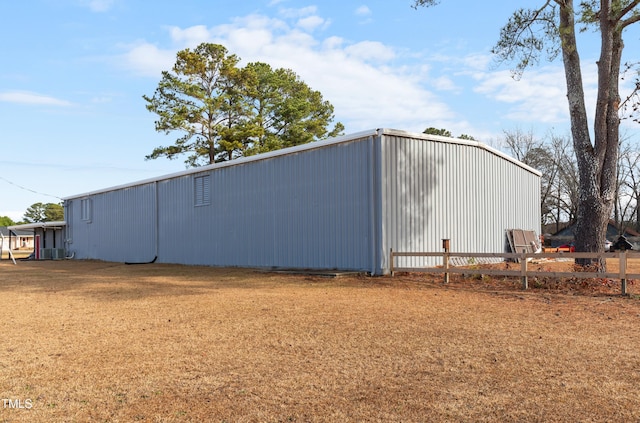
column 555, row 158
column 36, row 213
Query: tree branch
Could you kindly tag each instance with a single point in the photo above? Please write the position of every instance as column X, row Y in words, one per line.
column 626, row 10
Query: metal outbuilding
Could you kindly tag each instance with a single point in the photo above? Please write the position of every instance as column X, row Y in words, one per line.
column 335, row 204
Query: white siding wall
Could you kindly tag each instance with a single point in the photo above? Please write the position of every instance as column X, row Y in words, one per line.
column 432, row 190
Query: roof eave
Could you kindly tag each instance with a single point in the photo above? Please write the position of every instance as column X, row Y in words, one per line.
column 56, row 224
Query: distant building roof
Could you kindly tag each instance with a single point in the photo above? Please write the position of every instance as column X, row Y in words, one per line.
column 57, row 224
column 4, row 230
column 612, row 231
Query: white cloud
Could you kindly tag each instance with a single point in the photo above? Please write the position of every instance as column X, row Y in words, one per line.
column 251, row 33
column 370, row 50
column 364, row 92
column 23, row 97
column 363, row 11
column 364, row 14
column 189, row 36
column 445, row 83
column 538, row 96
column 332, row 43
column 298, row 13
column 372, row 84
column 356, row 77
column 311, row 22
column 477, row 61
column 148, row 60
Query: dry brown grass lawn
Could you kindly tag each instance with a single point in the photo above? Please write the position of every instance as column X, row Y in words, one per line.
column 106, row 342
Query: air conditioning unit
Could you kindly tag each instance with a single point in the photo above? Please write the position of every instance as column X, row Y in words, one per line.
column 57, row 253
column 45, row 253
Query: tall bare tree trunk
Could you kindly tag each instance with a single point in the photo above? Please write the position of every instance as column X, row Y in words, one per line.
column 596, row 164
column 596, row 160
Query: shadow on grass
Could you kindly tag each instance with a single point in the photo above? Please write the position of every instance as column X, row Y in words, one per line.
column 109, row 281
column 119, row 281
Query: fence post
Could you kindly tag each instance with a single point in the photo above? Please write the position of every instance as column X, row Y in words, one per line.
column 622, row 259
column 523, row 270
column 445, row 259
column 391, row 261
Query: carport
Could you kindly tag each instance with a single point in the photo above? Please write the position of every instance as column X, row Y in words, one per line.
column 48, row 238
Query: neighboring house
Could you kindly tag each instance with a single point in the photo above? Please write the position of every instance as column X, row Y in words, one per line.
column 552, row 228
column 340, row 204
column 567, row 235
column 16, row 239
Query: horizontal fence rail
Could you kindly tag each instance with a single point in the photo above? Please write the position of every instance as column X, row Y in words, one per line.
column 523, row 258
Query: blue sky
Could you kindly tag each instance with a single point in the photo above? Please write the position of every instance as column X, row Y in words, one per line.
column 72, row 117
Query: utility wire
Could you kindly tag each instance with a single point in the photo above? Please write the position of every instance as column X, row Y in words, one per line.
column 27, row 189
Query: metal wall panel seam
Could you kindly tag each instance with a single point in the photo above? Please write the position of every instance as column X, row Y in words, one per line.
column 371, row 205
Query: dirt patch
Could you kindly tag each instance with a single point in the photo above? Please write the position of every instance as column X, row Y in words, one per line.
column 95, row 341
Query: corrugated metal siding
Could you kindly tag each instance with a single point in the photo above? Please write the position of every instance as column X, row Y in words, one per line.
column 342, row 205
column 121, row 227
column 434, row 190
column 304, row 210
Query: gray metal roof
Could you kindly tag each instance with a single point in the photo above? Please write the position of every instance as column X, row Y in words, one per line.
column 4, row 230
column 54, row 225
column 311, row 146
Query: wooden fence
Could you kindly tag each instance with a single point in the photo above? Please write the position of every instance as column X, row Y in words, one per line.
column 524, row 273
